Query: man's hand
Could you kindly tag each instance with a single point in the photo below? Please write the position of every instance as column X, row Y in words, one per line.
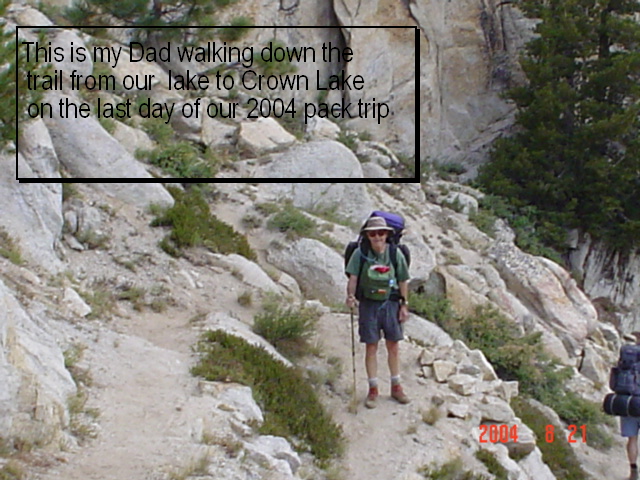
column 351, row 301
column 404, row 313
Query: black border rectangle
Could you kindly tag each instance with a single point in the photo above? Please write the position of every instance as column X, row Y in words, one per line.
column 415, row 179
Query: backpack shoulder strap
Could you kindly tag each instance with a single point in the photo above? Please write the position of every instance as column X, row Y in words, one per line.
column 393, row 256
column 362, row 250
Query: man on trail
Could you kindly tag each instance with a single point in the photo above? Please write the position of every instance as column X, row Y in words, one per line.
column 381, row 289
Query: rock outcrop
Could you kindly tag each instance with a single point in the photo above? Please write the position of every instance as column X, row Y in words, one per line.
column 36, row 383
column 610, row 278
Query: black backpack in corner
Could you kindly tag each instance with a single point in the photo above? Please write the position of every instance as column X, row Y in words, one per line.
column 396, row 222
column 625, row 377
column 624, row 380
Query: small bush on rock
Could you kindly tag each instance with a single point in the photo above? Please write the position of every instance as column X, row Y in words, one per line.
column 290, row 404
column 193, row 225
column 286, row 327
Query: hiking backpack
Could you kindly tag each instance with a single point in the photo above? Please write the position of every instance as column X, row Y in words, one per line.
column 394, row 221
column 625, row 377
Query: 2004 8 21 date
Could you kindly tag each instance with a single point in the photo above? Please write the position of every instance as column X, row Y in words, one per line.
column 492, row 433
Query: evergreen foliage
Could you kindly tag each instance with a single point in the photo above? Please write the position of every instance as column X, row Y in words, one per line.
column 152, row 19
column 575, row 155
column 291, row 405
column 193, row 225
column 142, row 13
column 13, row 79
column 287, row 327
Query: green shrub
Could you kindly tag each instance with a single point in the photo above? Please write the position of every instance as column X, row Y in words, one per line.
column 100, row 298
column 533, row 235
column 157, row 128
column 290, row 405
column 493, row 465
column 11, row 471
column 348, row 139
column 558, row 455
column 286, row 327
column 450, row 170
column 435, row 308
column 237, row 29
column 135, row 295
column 93, row 240
column 267, row 208
column 485, row 221
column 451, row 470
column 194, row 226
column 9, row 248
column 577, row 411
column 293, row 222
column 180, row 160
column 245, row 299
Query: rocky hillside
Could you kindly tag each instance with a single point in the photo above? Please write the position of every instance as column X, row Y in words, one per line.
column 98, row 331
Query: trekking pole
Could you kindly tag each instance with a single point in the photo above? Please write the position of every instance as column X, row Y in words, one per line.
column 354, row 400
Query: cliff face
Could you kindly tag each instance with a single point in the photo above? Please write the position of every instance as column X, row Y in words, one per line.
column 468, row 53
column 611, row 279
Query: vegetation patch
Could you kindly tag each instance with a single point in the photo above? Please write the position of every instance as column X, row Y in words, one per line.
column 451, row 470
column 9, row 248
column 558, row 455
column 493, row 465
column 533, row 234
column 180, row 160
column 82, row 418
column 287, row 327
column 293, row 222
column 11, row 471
column 100, row 298
column 238, row 28
column 193, row 225
column 290, row 404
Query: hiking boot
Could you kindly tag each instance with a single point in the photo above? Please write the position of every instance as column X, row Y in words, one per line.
column 399, row 395
column 634, row 474
column 370, row 402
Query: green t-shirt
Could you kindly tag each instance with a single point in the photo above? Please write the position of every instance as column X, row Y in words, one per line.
column 378, row 278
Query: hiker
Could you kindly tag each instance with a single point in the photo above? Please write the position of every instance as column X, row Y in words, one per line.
column 629, row 427
column 382, row 304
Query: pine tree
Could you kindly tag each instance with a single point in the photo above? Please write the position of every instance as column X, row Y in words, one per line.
column 14, row 94
column 154, row 15
column 575, row 154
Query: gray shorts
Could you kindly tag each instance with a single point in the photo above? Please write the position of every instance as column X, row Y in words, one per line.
column 629, row 426
column 376, row 316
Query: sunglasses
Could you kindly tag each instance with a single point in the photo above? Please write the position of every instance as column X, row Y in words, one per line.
column 377, row 233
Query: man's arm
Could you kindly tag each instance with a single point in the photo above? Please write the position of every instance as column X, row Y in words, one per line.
column 351, row 291
column 404, row 307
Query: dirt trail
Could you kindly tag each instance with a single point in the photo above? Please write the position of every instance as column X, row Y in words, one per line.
column 140, row 390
